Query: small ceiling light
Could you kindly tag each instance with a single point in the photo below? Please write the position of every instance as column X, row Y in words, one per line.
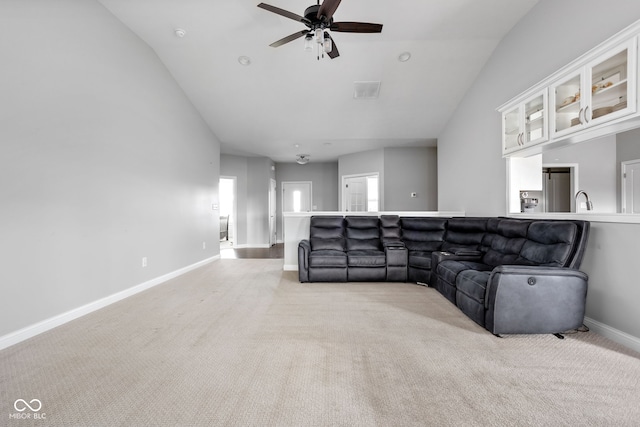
column 308, row 42
column 180, row 32
column 328, row 45
column 244, row 60
column 302, row 159
column 404, row 56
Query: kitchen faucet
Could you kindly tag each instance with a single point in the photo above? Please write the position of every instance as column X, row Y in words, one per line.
column 588, row 203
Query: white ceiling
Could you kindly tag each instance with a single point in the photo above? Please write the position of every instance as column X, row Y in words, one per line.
column 286, row 97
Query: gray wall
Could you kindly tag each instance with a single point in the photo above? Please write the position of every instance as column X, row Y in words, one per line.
column 103, row 161
column 471, row 172
column 324, row 185
column 410, row 170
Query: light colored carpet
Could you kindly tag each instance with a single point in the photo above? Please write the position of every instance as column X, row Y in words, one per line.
column 242, row 343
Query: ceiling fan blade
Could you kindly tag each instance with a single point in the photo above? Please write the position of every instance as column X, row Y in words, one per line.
column 283, row 12
column 288, row 39
column 356, row 27
column 327, row 9
column 334, row 50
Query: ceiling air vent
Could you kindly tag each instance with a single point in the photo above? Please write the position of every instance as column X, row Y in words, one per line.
column 366, row 90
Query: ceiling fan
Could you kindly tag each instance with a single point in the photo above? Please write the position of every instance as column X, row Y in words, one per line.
column 318, row 19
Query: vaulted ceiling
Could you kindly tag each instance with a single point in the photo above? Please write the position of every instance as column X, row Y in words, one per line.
column 287, row 102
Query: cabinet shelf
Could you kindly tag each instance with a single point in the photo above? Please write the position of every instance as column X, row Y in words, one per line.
column 611, row 88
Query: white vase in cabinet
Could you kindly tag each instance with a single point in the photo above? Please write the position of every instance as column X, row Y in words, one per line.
column 525, row 124
column 599, row 92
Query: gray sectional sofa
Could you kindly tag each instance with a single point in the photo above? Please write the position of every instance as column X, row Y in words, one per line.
column 509, row 275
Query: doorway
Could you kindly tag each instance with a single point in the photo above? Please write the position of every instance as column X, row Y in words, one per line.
column 559, row 184
column 296, row 197
column 360, row 193
column 630, row 186
column 228, row 209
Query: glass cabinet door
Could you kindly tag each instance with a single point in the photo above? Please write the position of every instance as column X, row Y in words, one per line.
column 611, row 94
column 511, row 133
column 568, row 105
column 535, row 119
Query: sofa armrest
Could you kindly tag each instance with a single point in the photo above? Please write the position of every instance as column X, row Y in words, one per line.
column 304, row 249
column 392, row 243
column 397, row 258
column 535, row 299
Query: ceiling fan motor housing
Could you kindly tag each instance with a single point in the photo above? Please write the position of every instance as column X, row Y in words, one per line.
column 311, row 14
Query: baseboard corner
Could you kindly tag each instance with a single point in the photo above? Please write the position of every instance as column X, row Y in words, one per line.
column 613, row 334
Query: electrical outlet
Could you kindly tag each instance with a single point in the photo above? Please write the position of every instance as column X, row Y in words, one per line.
column 204, row 245
column 144, row 261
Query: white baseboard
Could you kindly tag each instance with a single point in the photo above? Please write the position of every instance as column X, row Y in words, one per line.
column 290, row 267
column 613, row 334
column 40, row 327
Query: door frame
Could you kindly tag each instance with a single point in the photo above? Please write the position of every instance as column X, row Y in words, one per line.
column 273, row 203
column 623, row 184
column 234, row 215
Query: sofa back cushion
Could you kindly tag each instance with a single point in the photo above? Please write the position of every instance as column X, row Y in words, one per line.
column 464, row 233
column 423, row 233
column 549, row 243
column 327, row 233
column 504, row 240
column 363, row 233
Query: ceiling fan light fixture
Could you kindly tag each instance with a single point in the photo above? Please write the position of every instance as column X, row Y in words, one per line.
column 328, row 45
column 308, row 42
column 302, row 159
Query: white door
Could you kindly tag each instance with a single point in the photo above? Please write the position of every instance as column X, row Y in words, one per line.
column 631, row 186
column 360, row 193
column 296, row 197
column 355, row 191
column 272, row 213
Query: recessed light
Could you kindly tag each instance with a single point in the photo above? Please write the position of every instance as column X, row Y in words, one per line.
column 180, row 32
column 404, row 56
column 244, row 60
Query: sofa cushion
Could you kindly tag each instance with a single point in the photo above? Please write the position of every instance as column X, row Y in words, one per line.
column 327, row 258
column 464, row 233
column 321, row 244
column 420, row 259
column 548, row 243
column 473, row 283
column 503, row 241
column 366, row 259
column 363, row 233
column 423, row 234
column 449, row 270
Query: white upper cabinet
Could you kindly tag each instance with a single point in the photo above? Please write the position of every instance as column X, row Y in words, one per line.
column 595, row 95
column 526, row 123
column 600, row 91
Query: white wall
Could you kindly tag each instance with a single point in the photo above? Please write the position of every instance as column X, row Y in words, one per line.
column 103, row 160
column 471, row 172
